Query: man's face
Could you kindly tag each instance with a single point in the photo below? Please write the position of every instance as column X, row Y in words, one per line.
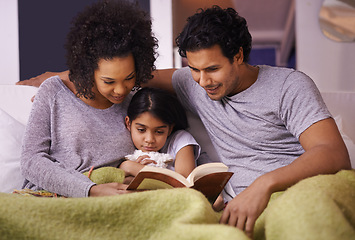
column 214, row 72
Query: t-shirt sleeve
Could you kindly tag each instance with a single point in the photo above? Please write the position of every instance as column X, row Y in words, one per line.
column 301, row 103
column 182, row 139
column 184, row 86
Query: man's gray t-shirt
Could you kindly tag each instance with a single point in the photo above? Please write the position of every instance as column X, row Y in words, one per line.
column 66, row 137
column 256, row 131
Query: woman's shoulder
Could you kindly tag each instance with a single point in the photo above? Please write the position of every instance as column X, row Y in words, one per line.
column 52, row 83
column 51, row 87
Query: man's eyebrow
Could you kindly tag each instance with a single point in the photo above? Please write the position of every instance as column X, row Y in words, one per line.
column 192, row 67
column 209, row 67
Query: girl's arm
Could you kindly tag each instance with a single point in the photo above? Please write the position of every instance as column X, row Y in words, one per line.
column 131, row 168
column 185, row 160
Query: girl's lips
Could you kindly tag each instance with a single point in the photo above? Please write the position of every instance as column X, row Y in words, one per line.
column 149, row 149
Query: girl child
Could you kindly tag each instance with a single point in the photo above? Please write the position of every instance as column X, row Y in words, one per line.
column 157, row 123
column 79, row 123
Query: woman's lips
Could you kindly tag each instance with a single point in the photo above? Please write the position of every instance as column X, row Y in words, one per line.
column 118, row 98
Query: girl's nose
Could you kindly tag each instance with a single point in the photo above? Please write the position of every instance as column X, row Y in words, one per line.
column 149, row 137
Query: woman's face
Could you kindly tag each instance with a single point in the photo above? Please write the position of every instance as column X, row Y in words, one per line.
column 114, row 79
column 148, row 132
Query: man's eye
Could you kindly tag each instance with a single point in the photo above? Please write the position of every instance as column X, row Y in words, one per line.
column 211, row 69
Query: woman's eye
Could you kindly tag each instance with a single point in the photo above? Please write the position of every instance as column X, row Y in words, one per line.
column 130, row 77
column 108, row 82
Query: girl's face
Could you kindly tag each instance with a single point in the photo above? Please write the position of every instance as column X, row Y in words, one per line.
column 148, row 133
column 114, row 80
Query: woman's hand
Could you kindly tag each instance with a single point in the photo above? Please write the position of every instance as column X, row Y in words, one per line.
column 108, row 189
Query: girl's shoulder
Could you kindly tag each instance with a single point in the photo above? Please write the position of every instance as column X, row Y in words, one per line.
column 182, row 135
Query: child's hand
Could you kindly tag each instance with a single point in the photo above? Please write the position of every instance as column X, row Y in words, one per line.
column 145, row 160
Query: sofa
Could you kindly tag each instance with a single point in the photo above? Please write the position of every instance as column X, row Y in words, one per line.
column 181, row 213
column 15, row 106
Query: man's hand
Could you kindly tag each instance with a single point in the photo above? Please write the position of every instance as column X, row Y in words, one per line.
column 108, row 189
column 243, row 211
column 38, row 80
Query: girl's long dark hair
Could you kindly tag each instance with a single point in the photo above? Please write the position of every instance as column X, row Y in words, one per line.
column 160, row 104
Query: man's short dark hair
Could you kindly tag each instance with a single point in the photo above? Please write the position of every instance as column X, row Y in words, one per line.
column 214, row 26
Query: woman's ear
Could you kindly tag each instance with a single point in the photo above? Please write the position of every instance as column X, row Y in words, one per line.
column 127, row 123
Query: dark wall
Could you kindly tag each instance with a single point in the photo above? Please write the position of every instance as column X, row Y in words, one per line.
column 43, row 26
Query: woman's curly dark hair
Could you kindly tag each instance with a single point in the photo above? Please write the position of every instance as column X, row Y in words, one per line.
column 214, row 26
column 105, row 30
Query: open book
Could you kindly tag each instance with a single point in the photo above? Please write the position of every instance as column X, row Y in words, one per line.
column 209, row 178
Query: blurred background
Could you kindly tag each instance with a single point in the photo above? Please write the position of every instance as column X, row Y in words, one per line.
column 285, row 33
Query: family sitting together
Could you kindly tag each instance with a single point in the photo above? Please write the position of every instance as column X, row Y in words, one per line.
column 269, row 125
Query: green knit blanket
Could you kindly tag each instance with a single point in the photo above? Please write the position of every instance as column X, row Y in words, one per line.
column 322, row 207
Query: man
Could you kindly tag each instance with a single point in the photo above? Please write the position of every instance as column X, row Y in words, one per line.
column 269, row 125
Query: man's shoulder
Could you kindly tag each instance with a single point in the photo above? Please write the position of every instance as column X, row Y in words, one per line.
column 273, row 70
column 182, row 72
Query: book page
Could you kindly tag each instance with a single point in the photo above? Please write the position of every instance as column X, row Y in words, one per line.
column 205, row 169
column 167, row 172
column 152, row 184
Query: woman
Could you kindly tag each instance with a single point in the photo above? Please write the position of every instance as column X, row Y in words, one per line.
column 79, row 124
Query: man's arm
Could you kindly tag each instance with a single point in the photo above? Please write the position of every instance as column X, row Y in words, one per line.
column 325, row 153
column 162, row 79
column 38, row 80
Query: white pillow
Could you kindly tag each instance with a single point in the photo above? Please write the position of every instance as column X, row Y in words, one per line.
column 348, row 141
column 11, row 134
column 16, row 101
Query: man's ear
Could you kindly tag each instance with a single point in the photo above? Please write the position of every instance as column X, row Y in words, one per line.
column 127, row 123
column 239, row 57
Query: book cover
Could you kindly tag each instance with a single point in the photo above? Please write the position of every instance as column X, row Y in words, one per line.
column 210, row 179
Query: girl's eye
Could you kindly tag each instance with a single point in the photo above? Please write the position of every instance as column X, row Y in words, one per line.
column 141, row 130
column 160, row 132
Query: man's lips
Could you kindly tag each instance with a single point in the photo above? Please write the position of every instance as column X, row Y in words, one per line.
column 212, row 90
